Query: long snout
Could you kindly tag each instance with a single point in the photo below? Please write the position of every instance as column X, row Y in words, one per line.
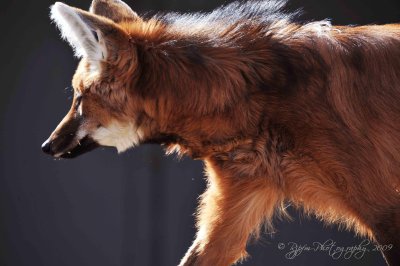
column 72, row 148
column 68, row 140
column 59, row 142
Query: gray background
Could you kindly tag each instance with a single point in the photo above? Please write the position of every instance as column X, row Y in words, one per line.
column 105, row 209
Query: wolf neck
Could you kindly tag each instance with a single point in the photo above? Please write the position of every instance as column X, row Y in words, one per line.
column 216, row 90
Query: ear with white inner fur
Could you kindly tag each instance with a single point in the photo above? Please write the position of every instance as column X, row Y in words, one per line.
column 115, row 10
column 93, row 37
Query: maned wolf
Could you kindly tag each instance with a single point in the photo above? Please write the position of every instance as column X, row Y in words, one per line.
column 278, row 110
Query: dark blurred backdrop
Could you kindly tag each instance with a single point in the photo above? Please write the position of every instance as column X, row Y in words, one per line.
column 104, row 209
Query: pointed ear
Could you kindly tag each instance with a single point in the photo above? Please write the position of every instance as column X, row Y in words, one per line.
column 93, row 37
column 115, row 10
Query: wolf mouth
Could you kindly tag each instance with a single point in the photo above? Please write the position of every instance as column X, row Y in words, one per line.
column 84, row 145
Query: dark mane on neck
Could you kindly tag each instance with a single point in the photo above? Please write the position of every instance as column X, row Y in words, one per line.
column 216, row 59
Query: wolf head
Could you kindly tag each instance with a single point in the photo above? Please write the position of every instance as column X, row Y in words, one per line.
column 101, row 113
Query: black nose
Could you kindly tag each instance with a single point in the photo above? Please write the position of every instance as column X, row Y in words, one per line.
column 46, row 147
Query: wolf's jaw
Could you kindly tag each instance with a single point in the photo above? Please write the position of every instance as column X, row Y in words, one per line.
column 119, row 135
column 83, row 146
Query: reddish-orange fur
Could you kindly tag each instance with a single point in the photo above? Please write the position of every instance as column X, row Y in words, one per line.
column 303, row 113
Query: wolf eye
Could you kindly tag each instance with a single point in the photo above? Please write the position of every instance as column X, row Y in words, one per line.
column 78, row 100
